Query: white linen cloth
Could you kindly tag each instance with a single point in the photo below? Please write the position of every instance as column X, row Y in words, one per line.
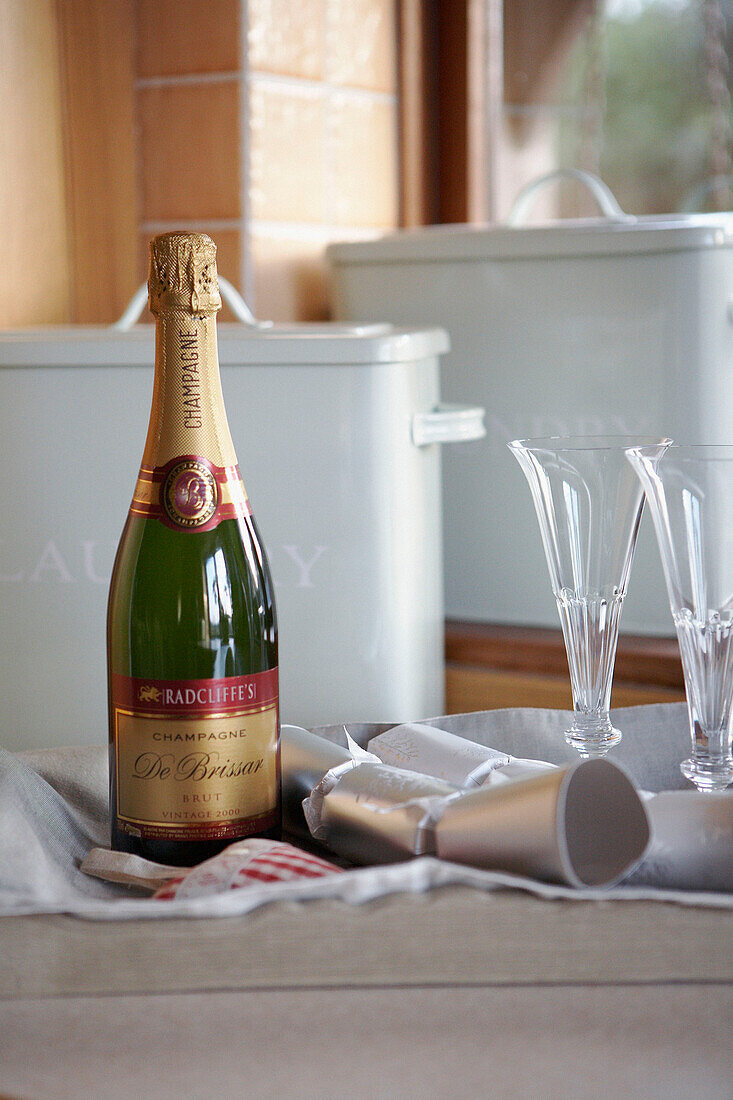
column 53, row 810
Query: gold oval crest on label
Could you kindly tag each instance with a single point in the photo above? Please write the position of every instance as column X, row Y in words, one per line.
column 190, row 493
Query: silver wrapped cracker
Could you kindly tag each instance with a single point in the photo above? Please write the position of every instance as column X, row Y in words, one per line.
column 304, row 760
column 374, row 813
column 583, row 825
column 692, row 841
column 437, row 752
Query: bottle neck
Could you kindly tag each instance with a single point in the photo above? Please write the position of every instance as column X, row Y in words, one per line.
column 188, row 415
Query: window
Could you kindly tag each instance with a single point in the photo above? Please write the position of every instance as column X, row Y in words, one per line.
column 635, row 91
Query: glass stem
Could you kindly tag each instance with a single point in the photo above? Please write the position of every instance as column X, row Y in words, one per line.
column 706, row 648
column 590, row 630
column 710, row 766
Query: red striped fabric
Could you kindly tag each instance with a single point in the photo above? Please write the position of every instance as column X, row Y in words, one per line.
column 245, row 863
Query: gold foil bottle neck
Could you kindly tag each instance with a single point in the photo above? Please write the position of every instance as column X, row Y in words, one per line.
column 183, row 274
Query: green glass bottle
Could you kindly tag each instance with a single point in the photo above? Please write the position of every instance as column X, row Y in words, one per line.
column 191, row 626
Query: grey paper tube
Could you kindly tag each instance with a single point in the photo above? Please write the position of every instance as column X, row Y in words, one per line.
column 584, row 825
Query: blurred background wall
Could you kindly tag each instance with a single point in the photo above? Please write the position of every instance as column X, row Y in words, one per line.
column 271, row 125
column 278, row 126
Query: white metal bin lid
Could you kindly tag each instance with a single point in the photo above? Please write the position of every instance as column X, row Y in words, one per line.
column 282, row 344
column 582, row 237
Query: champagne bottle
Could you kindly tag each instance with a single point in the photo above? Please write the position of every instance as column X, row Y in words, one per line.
column 191, row 626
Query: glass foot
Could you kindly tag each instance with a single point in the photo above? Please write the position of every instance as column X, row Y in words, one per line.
column 708, row 775
column 592, row 737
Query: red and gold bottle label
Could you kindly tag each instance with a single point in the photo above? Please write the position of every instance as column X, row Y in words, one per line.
column 189, row 493
column 196, row 759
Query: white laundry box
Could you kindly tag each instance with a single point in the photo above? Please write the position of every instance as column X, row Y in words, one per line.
column 338, row 432
column 572, row 328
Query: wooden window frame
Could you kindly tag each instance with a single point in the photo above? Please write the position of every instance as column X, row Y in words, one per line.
column 447, row 53
column 457, row 62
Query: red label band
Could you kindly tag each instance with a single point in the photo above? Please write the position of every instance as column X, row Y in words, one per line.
column 183, row 698
column 189, row 493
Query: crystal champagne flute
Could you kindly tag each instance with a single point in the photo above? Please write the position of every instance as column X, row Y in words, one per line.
column 690, row 494
column 589, row 510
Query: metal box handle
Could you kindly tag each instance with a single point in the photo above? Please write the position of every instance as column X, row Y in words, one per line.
column 448, row 424
column 229, row 294
column 600, row 191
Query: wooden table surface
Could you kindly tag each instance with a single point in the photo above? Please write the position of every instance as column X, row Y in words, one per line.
column 456, row 993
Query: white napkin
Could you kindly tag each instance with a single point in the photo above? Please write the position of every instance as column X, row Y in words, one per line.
column 53, row 810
